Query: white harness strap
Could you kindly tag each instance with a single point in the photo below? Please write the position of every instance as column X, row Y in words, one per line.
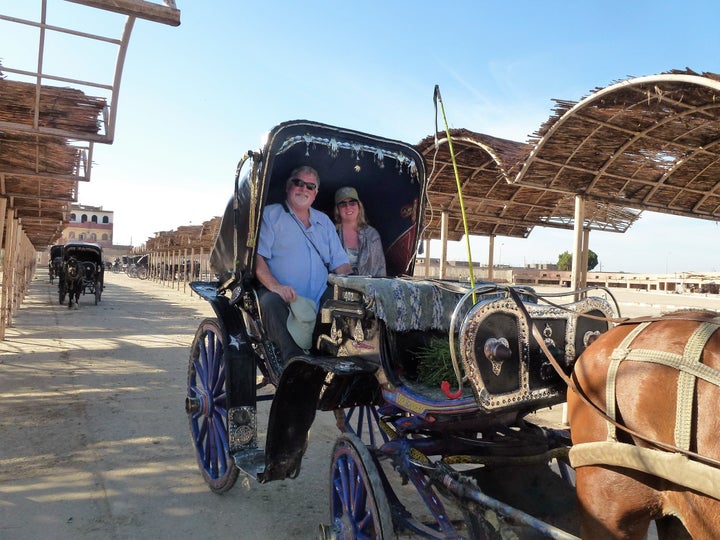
column 618, row 355
column 669, row 465
column 688, row 364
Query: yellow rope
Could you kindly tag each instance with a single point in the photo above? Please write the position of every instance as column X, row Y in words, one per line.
column 438, row 98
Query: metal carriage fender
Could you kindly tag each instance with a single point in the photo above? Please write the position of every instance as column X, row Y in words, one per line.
column 239, row 358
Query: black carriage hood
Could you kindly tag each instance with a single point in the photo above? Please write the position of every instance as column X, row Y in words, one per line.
column 389, row 176
column 56, row 251
column 83, row 251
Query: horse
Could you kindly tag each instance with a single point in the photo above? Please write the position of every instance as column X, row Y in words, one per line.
column 642, row 408
column 73, row 280
column 55, row 268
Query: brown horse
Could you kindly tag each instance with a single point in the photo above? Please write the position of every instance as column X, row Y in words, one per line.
column 621, row 488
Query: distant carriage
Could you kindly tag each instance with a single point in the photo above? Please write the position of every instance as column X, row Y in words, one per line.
column 138, row 266
column 83, row 272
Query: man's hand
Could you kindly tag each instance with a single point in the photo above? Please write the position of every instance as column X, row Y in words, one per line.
column 286, row 292
column 262, row 272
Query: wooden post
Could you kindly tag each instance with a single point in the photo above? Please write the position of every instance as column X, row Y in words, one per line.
column 3, row 208
column 186, row 270
column 443, row 242
column 192, row 268
column 8, row 281
column 578, row 248
column 491, row 258
column 427, row 257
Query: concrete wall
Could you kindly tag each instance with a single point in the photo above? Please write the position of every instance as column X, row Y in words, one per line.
column 680, row 282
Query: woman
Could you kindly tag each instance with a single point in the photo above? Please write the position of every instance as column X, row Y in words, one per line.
column 361, row 241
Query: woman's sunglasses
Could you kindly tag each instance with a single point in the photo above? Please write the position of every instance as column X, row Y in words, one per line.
column 350, row 202
column 309, row 185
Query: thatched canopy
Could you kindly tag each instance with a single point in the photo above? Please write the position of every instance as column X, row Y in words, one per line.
column 39, row 173
column 649, row 143
column 47, row 131
column 185, row 237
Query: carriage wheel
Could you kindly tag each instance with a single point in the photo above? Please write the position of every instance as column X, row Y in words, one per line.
column 142, row 272
column 358, row 505
column 206, row 407
column 363, row 421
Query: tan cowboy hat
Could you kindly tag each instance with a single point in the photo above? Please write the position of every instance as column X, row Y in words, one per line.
column 301, row 321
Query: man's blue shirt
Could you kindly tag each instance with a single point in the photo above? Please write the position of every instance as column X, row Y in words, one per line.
column 291, row 257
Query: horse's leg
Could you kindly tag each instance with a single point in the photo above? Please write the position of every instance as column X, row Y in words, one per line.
column 612, row 505
column 671, row 528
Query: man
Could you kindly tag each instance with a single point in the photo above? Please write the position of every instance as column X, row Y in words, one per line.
column 297, row 248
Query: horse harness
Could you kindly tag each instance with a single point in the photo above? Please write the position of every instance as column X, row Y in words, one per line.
column 688, row 364
column 673, row 466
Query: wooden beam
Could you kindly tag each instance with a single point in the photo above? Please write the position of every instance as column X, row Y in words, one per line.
column 137, row 8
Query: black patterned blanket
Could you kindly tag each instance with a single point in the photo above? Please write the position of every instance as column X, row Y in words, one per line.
column 406, row 304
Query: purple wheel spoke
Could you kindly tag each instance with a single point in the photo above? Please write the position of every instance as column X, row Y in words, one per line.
column 207, row 407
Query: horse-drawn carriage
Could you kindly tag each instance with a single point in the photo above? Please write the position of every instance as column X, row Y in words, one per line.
column 138, row 266
column 477, row 466
column 55, row 261
column 83, row 271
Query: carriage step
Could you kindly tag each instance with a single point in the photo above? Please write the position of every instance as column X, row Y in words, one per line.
column 250, row 462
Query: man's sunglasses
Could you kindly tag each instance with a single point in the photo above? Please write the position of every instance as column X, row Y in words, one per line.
column 309, row 185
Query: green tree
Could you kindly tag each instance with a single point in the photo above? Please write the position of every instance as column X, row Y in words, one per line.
column 565, row 260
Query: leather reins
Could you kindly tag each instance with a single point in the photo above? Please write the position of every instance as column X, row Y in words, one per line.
column 572, row 382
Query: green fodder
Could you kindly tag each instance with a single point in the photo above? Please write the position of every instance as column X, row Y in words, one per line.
column 435, row 362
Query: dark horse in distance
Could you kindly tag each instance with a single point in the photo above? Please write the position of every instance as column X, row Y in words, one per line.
column 71, row 281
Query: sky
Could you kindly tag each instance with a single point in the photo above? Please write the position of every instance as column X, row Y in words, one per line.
column 195, row 98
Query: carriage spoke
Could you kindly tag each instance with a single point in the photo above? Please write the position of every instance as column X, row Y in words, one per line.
column 207, row 407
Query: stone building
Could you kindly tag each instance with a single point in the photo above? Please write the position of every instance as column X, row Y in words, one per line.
column 89, row 224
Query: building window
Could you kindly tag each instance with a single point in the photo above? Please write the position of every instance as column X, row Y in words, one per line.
column 73, row 217
column 93, row 237
column 94, row 218
column 106, row 219
column 71, row 236
column 81, row 236
column 83, row 219
column 104, row 237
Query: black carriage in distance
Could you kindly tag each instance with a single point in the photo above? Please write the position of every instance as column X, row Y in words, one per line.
column 457, row 450
column 55, row 262
column 83, row 271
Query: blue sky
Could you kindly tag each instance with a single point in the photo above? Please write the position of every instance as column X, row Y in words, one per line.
column 194, row 98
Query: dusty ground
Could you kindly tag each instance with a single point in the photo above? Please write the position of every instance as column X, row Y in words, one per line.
column 94, row 438
column 95, row 443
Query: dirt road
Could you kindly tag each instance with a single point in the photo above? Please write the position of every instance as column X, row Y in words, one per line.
column 95, row 443
column 94, row 437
